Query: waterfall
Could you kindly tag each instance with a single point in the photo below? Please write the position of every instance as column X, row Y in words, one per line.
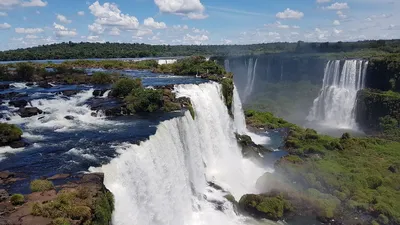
column 251, row 77
column 335, row 104
column 164, row 180
column 227, row 66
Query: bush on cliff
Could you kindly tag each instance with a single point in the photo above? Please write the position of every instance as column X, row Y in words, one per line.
column 264, row 206
column 17, row 199
column 144, row 100
column 9, row 133
column 41, row 185
column 103, row 78
column 124, row 86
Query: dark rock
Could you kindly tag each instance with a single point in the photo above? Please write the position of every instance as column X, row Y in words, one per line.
column 44, row 84
column 4, row 86
column 249, row 148
column 18, row 144
column 29, row 111
column 3, row 195
column 116, row 111
column 70, row 92
column 29, row 84
column 99, row 93
column 18, row 103
column 59, row 176
column 42, row 117
column 13, row 95
column 93, row 114
column 69, row 117
column 6, row 174
column 393, row 169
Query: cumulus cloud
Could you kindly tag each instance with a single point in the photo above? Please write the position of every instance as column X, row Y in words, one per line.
column 34, row 3
column 109, row 14
column 341, row 15
column 338, row 6
column 180, row 27
column 290, row 14
column 81, row 13
column 8, row 3
column 31, row 36
column 192, row 9
column 96, row 28
column 323, row 1
column 149, row 22
column 195, row 39
column 115, row 31
column 336, row 22
column 3, row 14
column 4, row 26
column 28, row 30
column 143, row 32
column 63, row 19
column 61, row 31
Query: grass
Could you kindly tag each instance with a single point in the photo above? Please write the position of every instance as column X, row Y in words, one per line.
column 41, row 185
column 17, row 199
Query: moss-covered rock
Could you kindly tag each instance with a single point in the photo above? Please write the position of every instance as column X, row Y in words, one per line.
column 9, row 133
column 264, row 206
column 227, row 92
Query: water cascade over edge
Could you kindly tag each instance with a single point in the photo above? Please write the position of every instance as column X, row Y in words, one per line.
column 251, row 77
column 335, row 105
column 164, row 181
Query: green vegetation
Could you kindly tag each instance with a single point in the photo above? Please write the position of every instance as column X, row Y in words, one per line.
column 265, row 206
column 9, row 133
column 341, row 174
column 103, row 209
column 144, row 100
column 41, row 185
column 104, row 78
column 17, row 199
column 265, row 120
column 123, row 87
column 192, row 66
column 227, row 92
column 60, row 221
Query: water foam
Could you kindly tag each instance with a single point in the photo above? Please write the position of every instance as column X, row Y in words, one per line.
column 164, row 181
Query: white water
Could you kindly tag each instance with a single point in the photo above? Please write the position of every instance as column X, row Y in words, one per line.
column 105, row 95
column 251, row 77
column 164, row 180
column 55, row 109
column 227, row 66
column 335, row 105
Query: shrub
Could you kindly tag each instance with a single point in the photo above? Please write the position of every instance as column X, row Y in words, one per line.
column 227, row 92
column 103, row 209
column 103, row 78
column 60, row 221
column 144, row 100
column 41, row 185
column 17, row 199
column 374, row 182
column 9, row 133
column 124, row 86
column 25, row 71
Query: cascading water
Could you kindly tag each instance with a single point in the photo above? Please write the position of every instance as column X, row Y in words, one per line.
column 164, row 181
column 227, row 66
column 251, row 77
column 335, row 104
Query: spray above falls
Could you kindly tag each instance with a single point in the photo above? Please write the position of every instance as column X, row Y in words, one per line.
column 335, row 105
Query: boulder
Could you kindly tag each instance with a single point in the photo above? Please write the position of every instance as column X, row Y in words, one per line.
column 4, row 86
column 13, row 95
column 3, row 195
column 18, row 144
column 29, row 84
column 69, row 92
column 99, row 93
column 44, row 84
column 18, row 103
column 69, row 117
column 59, row 176
column 29, row 111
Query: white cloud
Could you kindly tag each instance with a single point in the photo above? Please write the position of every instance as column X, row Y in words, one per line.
column 143, row 32
column 61, row 31
column 192, row 9
column 96, row 28
column 3, row 14
column 338, row 6
column 115, row 31
column 323, row 1
column 4, row 26
column 149, row 22
column 34, row 3
column 180, row 27
column 8, row 3
column 28, row 30
column 336, row 31
column 109, row 14
column 63, row 19
column 336, row 22
column 290, row 14
column 341, row 15
column 92, row 38
column 195, row 39
column 226, row 41
column 81, row 13
column 31, row 36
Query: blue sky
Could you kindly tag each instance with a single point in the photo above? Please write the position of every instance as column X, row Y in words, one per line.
column 25, row 23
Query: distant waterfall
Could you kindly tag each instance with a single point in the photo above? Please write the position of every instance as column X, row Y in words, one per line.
column 251, row 77
column 335, row 104
column 227, row 66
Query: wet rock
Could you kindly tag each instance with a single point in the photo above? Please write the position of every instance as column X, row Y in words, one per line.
column 4, row 86
column 116, row 111
column 18, row 144
column 59, row 176
column 29, row 84
column 7, row 177
column 69, row 117
column 69, row 92
column 93, row 114
column 18, row 103
column 98, row 93
column 29, row 111
column 3, row 195
column 13, row 95
column 249, row 148
column 44, row 84
column 393, row 168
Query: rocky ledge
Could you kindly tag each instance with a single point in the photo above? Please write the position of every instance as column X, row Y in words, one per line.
column 84, row 201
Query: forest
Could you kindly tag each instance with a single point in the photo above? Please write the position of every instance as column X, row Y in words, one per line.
column 85, row 50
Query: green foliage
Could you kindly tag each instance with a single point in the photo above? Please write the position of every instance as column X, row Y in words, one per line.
column 227, row 92
column 230, row 198
column 124, row 86
column 9, row 133
column 144, row 100
column 60, row 221
column 25, row 71
column 103, row 78
column 266, row 120
column 41, row 185
column 269, row 207
column 17, row 199
column 104, row 207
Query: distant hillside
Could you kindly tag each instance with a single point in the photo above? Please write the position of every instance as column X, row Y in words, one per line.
column 124, row 50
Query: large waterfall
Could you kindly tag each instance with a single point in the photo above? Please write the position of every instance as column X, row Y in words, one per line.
column 335, row 104
column 164, row 181
column 251, row 77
